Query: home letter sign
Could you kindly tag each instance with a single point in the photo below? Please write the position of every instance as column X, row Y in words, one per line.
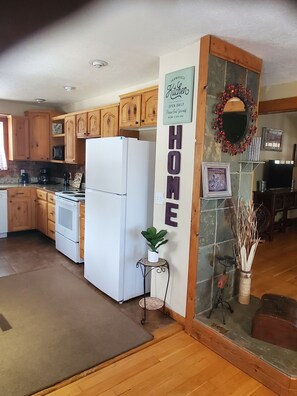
column 173, row 168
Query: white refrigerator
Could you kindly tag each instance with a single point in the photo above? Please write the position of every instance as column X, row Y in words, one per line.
column 118, row 206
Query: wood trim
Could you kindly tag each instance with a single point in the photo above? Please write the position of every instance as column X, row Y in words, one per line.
column 61, row 117
column 278, row 105
column 234, row 54
column 174, row 315
column 246, row 361
column 199, row 146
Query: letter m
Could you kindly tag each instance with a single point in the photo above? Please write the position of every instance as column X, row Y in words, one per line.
column 173, row 187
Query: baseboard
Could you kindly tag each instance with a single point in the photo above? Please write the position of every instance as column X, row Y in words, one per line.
column 175, row 316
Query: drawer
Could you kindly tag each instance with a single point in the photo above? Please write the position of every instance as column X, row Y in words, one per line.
column 18, row 192
column 40, row 194
column 51, row 212
column 51, row 198
column 51, row 229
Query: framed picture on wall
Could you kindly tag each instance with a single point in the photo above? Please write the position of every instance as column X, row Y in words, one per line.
column 216, row 181
column 272, row 139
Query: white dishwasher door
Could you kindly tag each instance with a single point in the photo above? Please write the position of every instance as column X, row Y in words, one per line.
column 3, row 213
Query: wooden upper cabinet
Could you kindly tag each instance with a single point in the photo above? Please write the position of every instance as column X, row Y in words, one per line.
column 70, row 137
column 18, row 138
column 130, row 108
column 94, row 123
column 139, row 109
column 88, row 124
column 110, row 121
column 39, row 127
column 149, row 108
column 74, row 148
column 81, row 125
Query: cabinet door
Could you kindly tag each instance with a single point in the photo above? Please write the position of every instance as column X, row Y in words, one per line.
column 39, row 124
column 81, row 125
column 94, row 123
column 149, row 108
column 41, row 216
column 74, row 148
column 18, row 138
column 110, row 121
column 130, row 108
column 20, row 215
column 70, row 139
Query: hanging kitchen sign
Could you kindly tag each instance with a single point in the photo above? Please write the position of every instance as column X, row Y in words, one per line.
column 178, row 96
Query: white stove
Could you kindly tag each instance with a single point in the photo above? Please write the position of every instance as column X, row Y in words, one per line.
column 67, row 223
column 71, row 195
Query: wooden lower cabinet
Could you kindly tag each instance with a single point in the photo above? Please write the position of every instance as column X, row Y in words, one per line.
column 41, row 211
column 51, row 216
column 21, row 213
column 82, row 231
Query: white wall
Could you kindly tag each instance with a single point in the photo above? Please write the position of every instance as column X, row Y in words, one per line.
column 278, row 91
column 176, row 251
column 105, row 100
column 10, row 107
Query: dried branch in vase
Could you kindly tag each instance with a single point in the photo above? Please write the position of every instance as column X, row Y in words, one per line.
column 244, row 228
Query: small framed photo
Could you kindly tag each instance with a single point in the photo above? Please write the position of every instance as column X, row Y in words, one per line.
column 57, row 128
column 272, row 139
column 216, row 181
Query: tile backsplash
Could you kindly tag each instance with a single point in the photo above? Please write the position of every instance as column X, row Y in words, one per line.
column 56, row 171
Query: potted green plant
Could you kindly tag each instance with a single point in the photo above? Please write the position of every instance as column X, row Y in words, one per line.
column 154, row 239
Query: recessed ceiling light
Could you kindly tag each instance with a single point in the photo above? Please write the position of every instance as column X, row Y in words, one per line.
column 39, row 100
column 97, row 63
column 68, row 88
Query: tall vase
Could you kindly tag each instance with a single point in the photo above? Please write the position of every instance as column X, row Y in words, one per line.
column 244, row 287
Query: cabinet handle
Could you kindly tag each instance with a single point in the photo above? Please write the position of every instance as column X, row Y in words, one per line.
column 136, row 122
column 19, row 193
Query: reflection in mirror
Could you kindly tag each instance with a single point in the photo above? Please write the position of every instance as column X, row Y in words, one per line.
column 235, row 123
column 234, row 120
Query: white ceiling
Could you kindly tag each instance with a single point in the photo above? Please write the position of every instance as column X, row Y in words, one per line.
column 131, row 35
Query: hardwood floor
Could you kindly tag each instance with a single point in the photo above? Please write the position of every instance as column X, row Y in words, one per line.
column 173, row 363
column 275, row 266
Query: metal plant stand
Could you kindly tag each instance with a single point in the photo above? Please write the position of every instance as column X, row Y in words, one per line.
column 146, row 268
column 227, row 262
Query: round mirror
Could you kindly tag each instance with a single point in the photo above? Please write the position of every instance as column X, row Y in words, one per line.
column 235, row 124
column 234, row 120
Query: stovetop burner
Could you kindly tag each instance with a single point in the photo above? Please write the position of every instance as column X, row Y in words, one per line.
column 72, row 195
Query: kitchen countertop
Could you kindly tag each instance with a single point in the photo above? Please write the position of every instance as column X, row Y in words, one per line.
column 48, row 187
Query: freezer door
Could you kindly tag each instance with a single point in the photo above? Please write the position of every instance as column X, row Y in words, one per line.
column 105, row 241
column 106, row 164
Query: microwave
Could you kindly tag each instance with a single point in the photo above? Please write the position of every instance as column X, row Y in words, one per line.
column 58, row 153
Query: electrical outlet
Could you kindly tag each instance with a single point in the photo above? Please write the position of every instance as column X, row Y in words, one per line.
column 159, row 198
column 22, row 171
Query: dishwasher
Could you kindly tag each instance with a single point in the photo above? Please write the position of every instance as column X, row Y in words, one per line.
column 3, row 213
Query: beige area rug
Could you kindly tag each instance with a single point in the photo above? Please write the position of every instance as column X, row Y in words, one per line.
column 59, row 327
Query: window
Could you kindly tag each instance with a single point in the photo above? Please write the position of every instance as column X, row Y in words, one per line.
column 3, row 136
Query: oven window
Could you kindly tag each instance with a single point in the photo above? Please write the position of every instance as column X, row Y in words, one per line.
column 66, row 218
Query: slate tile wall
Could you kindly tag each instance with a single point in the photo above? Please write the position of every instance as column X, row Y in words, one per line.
column 215, row 236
